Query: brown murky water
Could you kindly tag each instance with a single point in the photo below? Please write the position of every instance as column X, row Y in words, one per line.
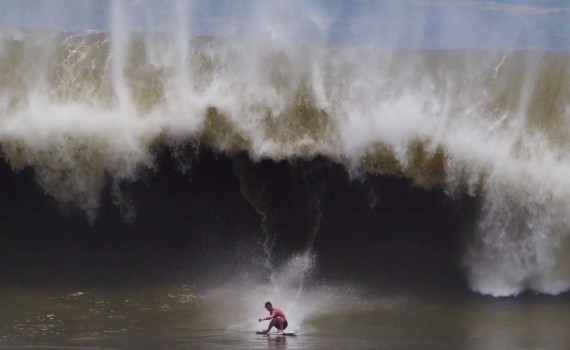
column 175, row 317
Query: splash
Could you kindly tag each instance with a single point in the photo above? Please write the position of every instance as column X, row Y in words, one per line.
column 246, row 298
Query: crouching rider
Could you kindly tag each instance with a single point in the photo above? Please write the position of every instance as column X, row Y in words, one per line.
column 277, row 317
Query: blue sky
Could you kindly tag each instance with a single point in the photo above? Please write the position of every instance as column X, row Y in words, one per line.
column 396, row 23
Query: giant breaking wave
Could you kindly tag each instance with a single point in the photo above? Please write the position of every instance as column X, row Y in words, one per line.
column 88, row 108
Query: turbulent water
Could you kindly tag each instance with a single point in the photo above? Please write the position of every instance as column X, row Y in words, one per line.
column 273, row 157
column 492, row 124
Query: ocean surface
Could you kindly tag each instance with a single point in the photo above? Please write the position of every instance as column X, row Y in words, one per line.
column 391, row 174
column 172, row 317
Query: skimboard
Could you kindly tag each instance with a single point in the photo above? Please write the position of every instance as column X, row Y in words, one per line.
column 275, row 333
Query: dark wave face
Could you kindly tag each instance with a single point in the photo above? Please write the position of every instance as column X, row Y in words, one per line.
column 319, row 151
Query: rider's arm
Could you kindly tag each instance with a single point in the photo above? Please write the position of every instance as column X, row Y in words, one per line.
column 270, row 317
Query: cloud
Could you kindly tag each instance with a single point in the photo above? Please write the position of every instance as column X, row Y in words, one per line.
column 516, row 8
